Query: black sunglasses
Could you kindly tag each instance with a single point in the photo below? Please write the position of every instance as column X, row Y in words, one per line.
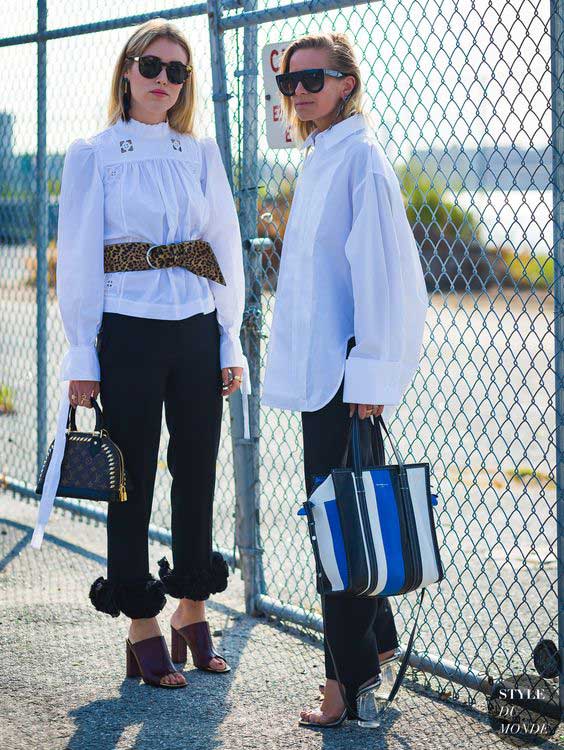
column 150, row 67
column 312, row 80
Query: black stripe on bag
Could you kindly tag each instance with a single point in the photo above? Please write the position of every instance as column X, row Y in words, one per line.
column 406, row 547
column 351, row 526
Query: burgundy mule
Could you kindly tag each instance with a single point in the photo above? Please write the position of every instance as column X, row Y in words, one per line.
column 150, row 660
column 198, row 639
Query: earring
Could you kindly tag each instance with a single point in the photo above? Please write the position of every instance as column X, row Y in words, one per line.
column 126, row 94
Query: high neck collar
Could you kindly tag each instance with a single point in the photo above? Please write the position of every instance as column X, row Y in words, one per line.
column 337, row 132
column 144, row 129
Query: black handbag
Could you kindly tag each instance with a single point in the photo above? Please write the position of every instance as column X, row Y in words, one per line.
column 93, row 467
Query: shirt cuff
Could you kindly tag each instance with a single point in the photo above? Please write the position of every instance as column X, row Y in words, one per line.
column 80, row 363
column 230, row 351
column 370, row 381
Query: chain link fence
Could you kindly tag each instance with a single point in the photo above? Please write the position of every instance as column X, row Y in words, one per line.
column 460, row 98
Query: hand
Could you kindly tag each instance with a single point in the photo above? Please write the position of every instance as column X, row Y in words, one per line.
column 81, row 390
column 230, row 385
column 364, row 410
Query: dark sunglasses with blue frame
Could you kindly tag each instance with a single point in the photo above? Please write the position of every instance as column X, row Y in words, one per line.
column 312, row 79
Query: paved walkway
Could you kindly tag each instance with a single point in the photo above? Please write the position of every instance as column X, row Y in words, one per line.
column 62, row 668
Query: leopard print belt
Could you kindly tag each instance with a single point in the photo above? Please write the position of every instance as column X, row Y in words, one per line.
column 195, row 255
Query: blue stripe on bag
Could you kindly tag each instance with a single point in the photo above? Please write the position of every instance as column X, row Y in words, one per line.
column 338, row 541
column 390, row 529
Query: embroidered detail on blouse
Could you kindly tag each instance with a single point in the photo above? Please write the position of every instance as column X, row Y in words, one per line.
column 176, row 144
column 126, row 145
column 112, row 173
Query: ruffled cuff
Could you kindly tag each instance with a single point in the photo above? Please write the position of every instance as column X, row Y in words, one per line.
column 199, row 583
column 144, row 598
column 80, row 363
column 230, row 350
column 231, row 355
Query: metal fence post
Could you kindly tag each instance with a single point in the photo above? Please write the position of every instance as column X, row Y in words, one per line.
column 248, row 516
column 245, row 452
column 557, row 55
column 42, row 235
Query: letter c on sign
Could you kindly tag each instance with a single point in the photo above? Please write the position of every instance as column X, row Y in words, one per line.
column 274, row 63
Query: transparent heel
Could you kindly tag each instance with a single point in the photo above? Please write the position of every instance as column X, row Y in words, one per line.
column 373, row 700
column 389, row 669
column 368, row 707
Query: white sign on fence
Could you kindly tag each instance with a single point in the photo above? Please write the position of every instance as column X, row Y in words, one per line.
column 277, row 134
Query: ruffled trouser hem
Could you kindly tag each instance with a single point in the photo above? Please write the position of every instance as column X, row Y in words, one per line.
column 199, row 584
column 136, row 599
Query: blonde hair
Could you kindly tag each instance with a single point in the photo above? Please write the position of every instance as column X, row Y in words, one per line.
column 341, row 57
column 181, row 114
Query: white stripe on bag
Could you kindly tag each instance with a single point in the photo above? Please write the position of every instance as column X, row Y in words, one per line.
column 418, row 492
column 357, row 492
column 325, row 493
column 375, row 522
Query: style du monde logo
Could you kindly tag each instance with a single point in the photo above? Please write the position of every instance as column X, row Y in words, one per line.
column 524, row 709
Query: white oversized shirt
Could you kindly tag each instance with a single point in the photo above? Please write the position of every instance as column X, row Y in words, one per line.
column 349, row 267
column 149, row 183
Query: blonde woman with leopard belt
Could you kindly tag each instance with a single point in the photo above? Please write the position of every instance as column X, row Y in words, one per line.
column 151, row 291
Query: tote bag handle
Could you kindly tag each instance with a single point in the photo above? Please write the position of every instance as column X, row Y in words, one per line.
column 375, row 455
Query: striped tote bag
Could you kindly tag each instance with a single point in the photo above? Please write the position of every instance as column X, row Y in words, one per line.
column 372, row 530
column 372, row 527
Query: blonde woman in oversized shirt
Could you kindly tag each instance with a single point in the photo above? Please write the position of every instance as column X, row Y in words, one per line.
column 349, row 315
column 144, row 338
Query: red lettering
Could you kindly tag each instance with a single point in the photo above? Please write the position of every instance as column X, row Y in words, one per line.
column 274, row 55
column 274, row 65
column 276, row 113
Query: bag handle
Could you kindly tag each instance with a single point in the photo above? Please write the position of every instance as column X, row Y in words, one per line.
column 377, row 444
column 397, row 454
column 401, row 672
column 373, row 452
column 71, row 419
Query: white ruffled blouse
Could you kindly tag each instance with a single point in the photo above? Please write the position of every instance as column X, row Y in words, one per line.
column 148, row 183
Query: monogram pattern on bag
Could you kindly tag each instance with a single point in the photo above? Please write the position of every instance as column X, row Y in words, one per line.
column 195, row 255
column 81, row 469
column 126, row 145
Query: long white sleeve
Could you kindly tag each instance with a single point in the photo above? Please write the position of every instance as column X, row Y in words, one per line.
column 224, row 235
column 80, row 260
column 80, row 289
column 390, row 298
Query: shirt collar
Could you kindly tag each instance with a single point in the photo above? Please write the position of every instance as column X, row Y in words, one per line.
column 337, row 133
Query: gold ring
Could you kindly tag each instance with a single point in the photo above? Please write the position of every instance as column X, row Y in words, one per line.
column 238, row 377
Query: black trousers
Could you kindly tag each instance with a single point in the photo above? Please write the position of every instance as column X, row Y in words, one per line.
column 144, row 364
column 357, row 628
